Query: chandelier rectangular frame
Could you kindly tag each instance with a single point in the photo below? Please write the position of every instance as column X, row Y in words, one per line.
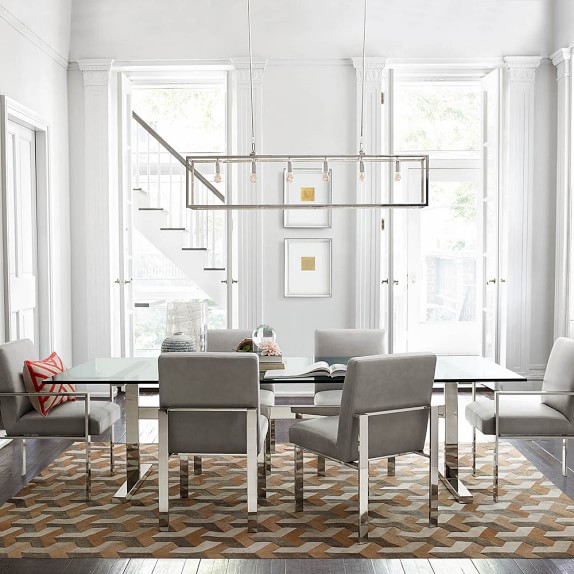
column 193, row 162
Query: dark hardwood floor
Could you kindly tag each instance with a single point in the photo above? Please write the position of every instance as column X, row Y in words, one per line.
column 43, row 452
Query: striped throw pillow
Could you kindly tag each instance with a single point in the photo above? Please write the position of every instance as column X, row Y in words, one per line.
column 35, row 373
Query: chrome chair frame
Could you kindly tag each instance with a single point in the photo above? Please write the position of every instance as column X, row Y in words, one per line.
column 362, row 466
column 256, row 467
column 498, row 435
column 86, row 436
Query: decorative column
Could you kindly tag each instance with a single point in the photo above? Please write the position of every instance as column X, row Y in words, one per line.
column 563, row 308
column 99, row 206
column 521, row 73
column 368, row 221
column 250, row 235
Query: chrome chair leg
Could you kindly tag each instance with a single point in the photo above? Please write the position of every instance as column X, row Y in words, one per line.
column 564, row 457
column 433, row 468
column 391, row 466
column 262, row 477
column 252, row 470
column 112, row 454
column 163, row 470
column 495, row 471
column 197, row 466
column 320, row 466
column 184, row 476
column 363, row 478
column 268, row 448
column 473, row 451
column 272, row 436
column 112, row 438
column 23, row 470
column 298, row 461
column 88, row 470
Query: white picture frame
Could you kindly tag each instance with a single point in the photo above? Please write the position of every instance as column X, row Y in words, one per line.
column 308, row 264
column 307, row 188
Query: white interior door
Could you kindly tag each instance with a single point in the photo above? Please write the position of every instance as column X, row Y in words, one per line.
column 21, row 234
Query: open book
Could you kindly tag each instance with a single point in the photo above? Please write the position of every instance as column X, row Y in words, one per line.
column 318, row 369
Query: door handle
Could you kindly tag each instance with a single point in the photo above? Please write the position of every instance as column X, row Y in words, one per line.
column 385, row 281
column 491, row 282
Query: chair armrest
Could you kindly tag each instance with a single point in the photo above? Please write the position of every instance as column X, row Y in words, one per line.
column 207, row 409
column 571, row 393
column 26, row 394
column 393, row 411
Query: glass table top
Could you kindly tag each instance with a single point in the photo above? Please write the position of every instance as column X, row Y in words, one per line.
column 449, row 369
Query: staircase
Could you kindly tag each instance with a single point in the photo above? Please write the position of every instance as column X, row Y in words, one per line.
column 194, row 241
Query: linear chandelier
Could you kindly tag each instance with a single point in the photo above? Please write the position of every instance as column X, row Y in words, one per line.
column 391, row 166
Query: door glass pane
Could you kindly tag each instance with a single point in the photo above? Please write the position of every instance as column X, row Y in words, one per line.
column 444, row 271
column 437, row 117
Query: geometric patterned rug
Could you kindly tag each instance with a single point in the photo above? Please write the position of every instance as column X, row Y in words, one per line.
column 49, row 518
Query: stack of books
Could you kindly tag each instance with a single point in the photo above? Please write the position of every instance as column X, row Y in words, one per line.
column 270, row 362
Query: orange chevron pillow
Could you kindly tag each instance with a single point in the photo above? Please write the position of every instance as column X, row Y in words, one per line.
column 35, row 372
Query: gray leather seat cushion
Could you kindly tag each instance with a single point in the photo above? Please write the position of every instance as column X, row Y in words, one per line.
column 68, row 420
column 319, row 435
column 517, row 417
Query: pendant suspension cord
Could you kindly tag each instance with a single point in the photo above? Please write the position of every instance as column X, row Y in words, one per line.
column 251, row 78
column 361, row 151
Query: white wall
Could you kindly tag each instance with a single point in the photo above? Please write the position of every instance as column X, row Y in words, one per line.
column 179, row 29
column 34, row 41
column 309, row 110
column 309, row 102
column 563, row 24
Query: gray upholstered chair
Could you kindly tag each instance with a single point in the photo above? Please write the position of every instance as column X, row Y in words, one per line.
column 384, row 413
column 331, row 345
column 209, row 405
column 513, row 414
column 75, row 420
column 225, row 341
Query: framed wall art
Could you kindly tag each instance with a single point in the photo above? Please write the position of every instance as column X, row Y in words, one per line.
column 307, row 188
column 307, row 267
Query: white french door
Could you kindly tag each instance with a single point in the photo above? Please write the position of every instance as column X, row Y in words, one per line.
column 437, row 271
column 21, row 235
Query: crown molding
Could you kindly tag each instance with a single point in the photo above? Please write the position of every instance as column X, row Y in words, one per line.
column 522, row 68
column 96, row 72
column 561, row 55
column 22, row 29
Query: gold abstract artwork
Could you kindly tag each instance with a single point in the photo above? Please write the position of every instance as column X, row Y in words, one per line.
column 307, row 194
column 307, row 264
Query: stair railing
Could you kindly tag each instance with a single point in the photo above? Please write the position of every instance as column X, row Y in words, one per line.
column 159, row 171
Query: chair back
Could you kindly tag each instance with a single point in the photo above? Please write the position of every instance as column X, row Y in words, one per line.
column 333, row 343
column 12, row 357
column 380, row 383
column 225, row 340
column 208, row 380
column 559, row 376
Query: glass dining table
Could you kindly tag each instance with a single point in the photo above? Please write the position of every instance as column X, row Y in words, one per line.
column 132, row 373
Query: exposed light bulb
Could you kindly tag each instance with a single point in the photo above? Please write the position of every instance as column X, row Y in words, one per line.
column 398, row 175
column 217, row 177
column 289, row 177
column 325, row 177
column 253, row 176
column 361, row 171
